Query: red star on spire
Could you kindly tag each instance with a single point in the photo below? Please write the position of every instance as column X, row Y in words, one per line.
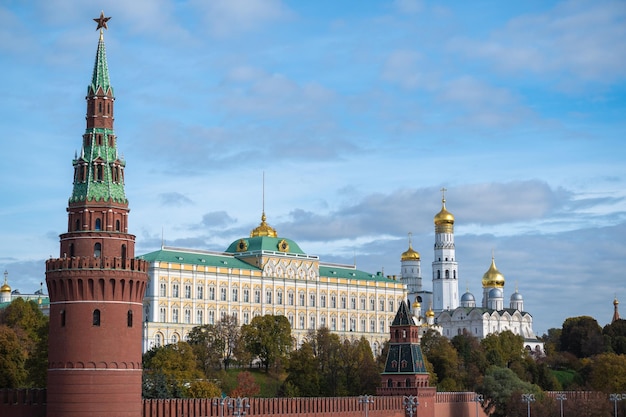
column 102, row 21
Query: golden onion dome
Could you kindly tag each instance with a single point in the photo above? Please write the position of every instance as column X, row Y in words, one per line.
column 430, row 313
column 444, row 216
column 410, row 255
column 493, row 277
column 5, row 288
column 263, row 229
column 416, row 304
column 615, row 302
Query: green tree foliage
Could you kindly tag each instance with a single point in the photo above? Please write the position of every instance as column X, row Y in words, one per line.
column 501, row 389
column 472, row 360
column 303, row 379
column 505, row 349
column 170, row 369
column 615, row 334
column 269, row 339
column 445, row 361
column 582, row 336
column 208, row 344
column 30, row 326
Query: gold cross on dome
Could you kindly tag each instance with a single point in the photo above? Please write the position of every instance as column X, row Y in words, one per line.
column 102, row 21
column 443, row 194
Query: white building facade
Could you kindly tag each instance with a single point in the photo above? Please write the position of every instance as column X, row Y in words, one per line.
column 259, row 275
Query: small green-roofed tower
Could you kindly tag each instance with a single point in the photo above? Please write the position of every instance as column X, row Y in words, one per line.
column 405, row 369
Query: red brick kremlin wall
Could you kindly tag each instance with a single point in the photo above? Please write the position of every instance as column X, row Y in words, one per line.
column 32, row 403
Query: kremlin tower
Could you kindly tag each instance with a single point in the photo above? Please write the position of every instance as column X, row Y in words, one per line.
column 96, row 286
column 445, row 266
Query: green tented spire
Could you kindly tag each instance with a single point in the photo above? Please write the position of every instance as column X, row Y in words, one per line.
column 98, row 170
column 100, row 77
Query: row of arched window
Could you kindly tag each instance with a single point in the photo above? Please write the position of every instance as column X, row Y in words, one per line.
column 96, row 318
column 80, row 172
column 447, row 274
column 97, row 225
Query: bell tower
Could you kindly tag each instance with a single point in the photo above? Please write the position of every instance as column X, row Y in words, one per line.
column 96, row 286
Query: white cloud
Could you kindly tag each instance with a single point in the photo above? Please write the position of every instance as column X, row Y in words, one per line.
column 226, row 18
column 576, row 40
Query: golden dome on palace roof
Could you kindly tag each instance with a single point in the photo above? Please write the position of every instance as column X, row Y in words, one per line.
column 493, row 277
column 430, row 313
column 416, row 304
column 5, row 287
column 410, row 254
column 263, row 229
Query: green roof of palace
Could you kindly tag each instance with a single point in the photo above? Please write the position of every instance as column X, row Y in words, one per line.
column 264, row 243
column 193, row 257
column 229, row 260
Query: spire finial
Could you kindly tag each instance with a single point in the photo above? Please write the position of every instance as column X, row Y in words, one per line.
column 6, row 276
column 263, row 198
column 443, row 195
column 410, row 239
column 102, row 23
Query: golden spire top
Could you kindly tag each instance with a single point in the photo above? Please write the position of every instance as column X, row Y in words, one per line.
column 263, row 229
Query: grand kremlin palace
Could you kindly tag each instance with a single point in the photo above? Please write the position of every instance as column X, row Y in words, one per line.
column 265, row 274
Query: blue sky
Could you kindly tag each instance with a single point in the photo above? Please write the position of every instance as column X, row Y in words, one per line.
column 358, row 113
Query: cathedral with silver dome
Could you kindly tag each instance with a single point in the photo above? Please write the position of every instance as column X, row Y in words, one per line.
column 452, row 315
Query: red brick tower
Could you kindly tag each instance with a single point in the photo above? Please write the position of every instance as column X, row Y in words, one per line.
column 96, row 286
column 405, row 369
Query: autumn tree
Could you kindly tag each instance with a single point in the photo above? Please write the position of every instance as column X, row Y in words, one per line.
column 229, row 328
column 170, row 369
column 607, row 373
column 269, row 339
column 246, row 386
column 30, row 326
column 13, row 373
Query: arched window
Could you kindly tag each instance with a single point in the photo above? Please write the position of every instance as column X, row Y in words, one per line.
column 390, row 383
column 117, row 225
column 97, row 250
column 98, row 224
column 454, row 274
column 96, row 317
column 438, row 274
column 129, row 318
column 71, row 250
column 62, row 318
column 100, row 107
column 447, row 273
column 77, row 225
column 408, row 382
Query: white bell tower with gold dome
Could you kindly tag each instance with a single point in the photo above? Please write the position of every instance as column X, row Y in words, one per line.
column 445, row 267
